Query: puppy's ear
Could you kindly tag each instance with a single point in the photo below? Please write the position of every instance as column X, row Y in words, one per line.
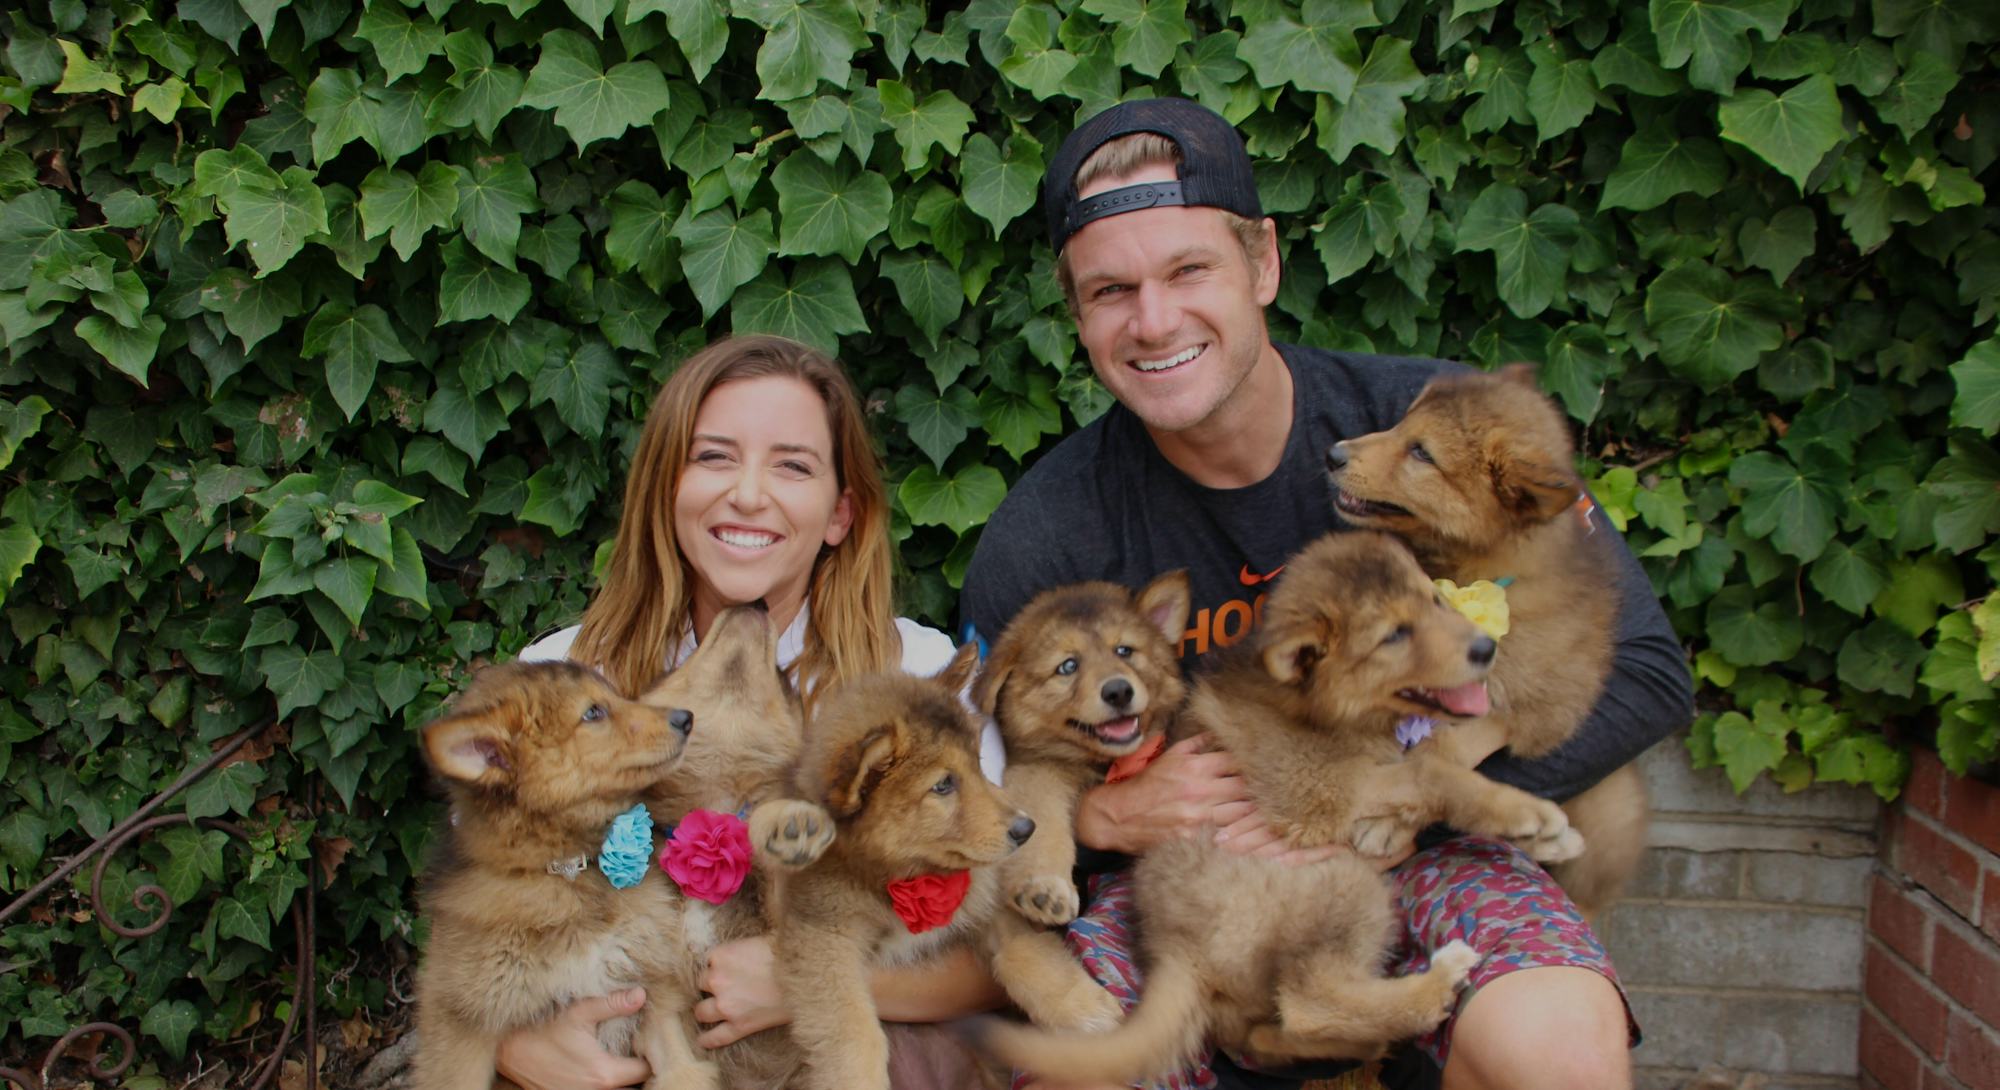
column 957, row 674
column 1290, row 653
column 1166, row 601
column 860, row 767
column 993, row 676
column 472, row 747
column 1520, row 374
column 1533, row 489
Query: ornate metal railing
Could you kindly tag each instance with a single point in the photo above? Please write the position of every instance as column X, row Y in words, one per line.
column 154, row 899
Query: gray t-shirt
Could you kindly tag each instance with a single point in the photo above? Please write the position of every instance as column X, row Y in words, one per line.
column 1105, row 504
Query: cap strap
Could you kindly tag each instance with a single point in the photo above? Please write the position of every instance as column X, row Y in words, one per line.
column 1127, row 199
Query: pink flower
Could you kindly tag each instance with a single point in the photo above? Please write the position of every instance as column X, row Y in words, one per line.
column 708, row 855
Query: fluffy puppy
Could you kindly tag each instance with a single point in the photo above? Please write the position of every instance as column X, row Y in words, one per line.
column 1084, row 675
column 1285, row 961
column 1478, row 478
column 896, row 834
column 538, row 759
column 750, row 728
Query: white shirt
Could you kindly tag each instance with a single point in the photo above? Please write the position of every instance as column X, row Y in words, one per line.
column 925, row 652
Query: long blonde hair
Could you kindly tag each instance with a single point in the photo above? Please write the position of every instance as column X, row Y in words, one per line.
column 644, row 606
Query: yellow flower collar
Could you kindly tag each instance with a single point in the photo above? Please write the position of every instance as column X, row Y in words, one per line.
column 1484, row 603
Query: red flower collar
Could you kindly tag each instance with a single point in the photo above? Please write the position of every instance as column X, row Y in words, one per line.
column 929, row 900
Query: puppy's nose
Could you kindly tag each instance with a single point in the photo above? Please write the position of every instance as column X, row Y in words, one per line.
column 682, row 720
column 1117, row 692
column 1022, row 828
column 1481, row 651
column 1336, row 456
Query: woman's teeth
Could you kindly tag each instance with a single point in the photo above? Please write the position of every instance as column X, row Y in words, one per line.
column 1171, row 361
column 746, row 540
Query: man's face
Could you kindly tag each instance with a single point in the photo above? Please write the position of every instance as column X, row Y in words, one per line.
column 1169, row 308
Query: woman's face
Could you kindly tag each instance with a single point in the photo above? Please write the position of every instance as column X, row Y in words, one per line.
column 758, row 498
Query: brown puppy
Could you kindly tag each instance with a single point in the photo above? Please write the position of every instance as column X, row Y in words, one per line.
column 538, row 759
column 1083, row 675
column 751, row 727
column 1285, row 961
column 1478, row 478
column 891, row 762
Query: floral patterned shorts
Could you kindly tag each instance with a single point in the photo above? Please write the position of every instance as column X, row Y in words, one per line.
column 1487, row 893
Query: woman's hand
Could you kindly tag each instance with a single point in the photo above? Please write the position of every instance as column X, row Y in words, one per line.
column 741, row 979
column 1188, row 787
column 563, row 1054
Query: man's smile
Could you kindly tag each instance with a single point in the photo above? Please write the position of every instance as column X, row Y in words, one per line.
column 1168, row 363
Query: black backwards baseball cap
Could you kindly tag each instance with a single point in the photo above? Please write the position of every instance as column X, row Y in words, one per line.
column 1214, row 168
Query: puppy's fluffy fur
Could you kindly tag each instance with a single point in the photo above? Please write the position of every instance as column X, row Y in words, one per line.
column 747, row 730
column 1478, row 479
column 1082, row 676
column 538, row 758
column 1286, row 961
column 889, row 787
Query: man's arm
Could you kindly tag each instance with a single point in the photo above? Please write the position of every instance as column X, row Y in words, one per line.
column 1648, row 695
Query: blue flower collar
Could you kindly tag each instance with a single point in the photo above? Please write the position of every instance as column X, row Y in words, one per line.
column 627, row 849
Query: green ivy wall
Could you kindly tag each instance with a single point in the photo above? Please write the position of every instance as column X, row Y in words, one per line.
column 327, row 326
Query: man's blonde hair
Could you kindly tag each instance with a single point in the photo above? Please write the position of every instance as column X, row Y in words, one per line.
column 1126, row 155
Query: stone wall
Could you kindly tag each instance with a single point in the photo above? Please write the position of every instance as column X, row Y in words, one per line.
column 1931, row 1013
column 1741, row 941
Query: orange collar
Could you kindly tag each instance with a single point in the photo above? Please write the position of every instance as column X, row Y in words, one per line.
column 1135, row 762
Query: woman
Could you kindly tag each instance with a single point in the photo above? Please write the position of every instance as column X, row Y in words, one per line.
column 754, row 479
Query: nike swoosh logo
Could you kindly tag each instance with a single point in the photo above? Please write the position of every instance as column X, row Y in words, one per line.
column 1250, row 579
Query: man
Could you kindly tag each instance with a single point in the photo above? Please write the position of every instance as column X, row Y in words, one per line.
column 1213, row 461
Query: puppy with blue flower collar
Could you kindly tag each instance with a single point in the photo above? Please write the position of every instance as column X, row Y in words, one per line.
column 543, row 889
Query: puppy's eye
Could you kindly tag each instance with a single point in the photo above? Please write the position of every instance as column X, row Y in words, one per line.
column 595, row 713
column 1122, row 651
column 1438, row 601
column 1066, row 667
column 1401, row 633
column 946, row 784
column 1418, row 452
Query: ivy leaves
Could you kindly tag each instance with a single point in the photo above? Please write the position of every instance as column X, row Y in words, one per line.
column 1530, row 250
column 1713, row 327
column 1791, row 131
column 448, row 250
column 592, row 102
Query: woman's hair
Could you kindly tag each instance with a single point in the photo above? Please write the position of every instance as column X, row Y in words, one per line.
column 645, row 604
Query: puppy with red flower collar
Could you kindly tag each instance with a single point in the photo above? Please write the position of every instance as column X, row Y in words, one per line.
column 887, row 853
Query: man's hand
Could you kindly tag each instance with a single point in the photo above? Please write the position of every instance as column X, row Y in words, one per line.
column 563, row 1053
column 1189, row 787
column 741, row 979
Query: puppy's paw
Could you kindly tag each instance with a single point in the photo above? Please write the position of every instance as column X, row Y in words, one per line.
column 1378, row 836
column 1268, row 1039
column 1046, row 899
column 1534, row 819
column 791, row 832
column 1560, row 848
column 1455, row 960
column 1091, row 1010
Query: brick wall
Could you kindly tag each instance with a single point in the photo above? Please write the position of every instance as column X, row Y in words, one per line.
column 1741, row 941
column 1931, row 1009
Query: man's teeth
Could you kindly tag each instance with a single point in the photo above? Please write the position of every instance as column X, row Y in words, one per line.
column 745, row 540
column 1170, row 361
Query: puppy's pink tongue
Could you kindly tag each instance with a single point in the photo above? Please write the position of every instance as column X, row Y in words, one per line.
column 1468, row 699
column 1119, row 731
